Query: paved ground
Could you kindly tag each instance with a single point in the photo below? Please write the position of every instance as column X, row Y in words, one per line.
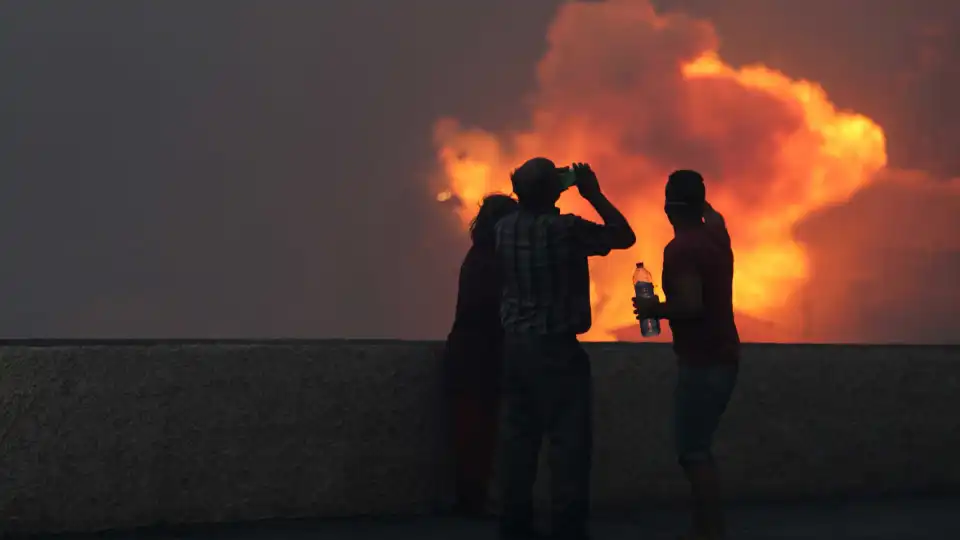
column 913, row 519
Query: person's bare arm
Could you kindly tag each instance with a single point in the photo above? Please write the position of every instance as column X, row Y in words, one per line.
column 714, row 221
column 686, row 302
column 618, row 233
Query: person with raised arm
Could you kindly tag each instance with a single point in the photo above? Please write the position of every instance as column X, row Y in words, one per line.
column 547, row 386
column 698, row 284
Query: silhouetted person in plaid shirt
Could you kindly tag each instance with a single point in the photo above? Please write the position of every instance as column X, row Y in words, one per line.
column 547, row 386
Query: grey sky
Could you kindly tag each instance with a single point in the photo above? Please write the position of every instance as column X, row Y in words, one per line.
column 238, row 168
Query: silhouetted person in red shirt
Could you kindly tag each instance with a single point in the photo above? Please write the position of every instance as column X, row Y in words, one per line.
column 474, row 358
column 698, row 283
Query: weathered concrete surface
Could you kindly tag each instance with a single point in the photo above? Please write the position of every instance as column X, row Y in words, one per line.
column 904, row 519
column 125, row 435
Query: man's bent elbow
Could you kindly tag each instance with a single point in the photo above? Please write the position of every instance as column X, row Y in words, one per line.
column 624, row 239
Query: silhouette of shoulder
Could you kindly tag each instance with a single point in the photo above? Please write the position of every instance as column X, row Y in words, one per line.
column 695, row 248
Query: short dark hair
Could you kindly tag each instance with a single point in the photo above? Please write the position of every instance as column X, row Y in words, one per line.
column 536, row 183
column 685, row 194
column 493, row 208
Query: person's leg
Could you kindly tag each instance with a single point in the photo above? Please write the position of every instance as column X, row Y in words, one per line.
column 701, row 398
column 568, row 411
column 520, row 437
column 488, row 419
column 708, row 520
column 685, row 420
column 469, row 458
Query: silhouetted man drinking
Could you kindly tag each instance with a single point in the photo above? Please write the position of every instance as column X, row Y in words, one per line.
column 698, row 283
column 547, row 387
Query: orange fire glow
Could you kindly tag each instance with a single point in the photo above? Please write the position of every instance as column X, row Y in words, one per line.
column 638, row 94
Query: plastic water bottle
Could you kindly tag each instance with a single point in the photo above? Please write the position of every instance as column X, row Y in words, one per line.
column 643, row 288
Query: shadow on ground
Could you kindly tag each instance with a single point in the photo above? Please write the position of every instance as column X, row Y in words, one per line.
column 903, row 519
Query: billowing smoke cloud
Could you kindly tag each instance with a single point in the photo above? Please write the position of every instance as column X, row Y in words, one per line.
column 638, row 94
column 884, row 264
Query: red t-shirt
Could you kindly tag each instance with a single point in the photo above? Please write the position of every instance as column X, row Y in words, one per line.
column 711, row 339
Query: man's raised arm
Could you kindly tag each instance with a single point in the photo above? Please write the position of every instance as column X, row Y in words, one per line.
column 713, row 219
column 616, row 232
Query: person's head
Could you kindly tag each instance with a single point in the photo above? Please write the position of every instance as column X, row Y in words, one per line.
column 537, row 184
column 685, row 197
column 492, row 209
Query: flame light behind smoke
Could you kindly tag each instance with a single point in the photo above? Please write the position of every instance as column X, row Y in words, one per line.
column 638, row 94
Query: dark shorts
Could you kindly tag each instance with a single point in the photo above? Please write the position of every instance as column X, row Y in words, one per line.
column 700, row 400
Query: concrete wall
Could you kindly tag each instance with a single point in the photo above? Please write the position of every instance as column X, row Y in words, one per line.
column 125, row 435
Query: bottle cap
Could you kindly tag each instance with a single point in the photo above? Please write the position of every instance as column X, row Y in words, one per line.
column 639, row 265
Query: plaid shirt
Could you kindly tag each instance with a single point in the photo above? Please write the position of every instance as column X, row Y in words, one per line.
column 546, row 280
